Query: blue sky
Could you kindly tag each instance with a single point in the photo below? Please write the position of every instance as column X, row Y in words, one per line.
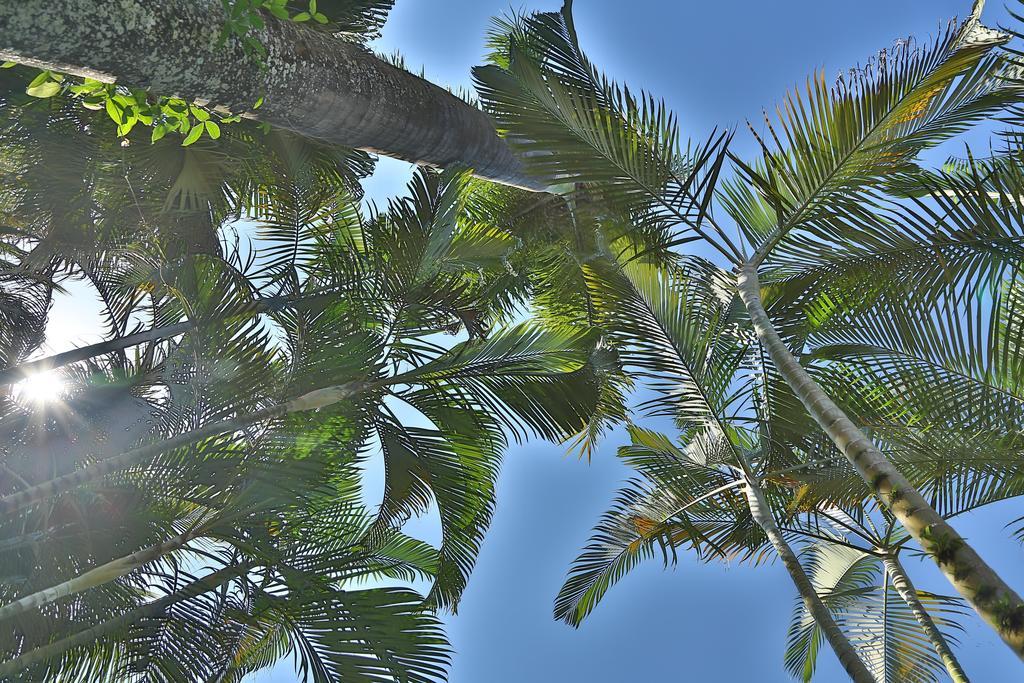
column 716, row 63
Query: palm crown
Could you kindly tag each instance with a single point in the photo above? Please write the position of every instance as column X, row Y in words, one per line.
column 837, row 190
column 841, row 380
column 206, row 432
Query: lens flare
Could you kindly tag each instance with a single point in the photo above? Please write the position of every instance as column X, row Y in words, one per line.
column 42, row 387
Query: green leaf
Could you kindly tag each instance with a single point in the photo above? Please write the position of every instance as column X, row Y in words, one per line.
column 301, row 16
column 320, row 18
column 194, row 134
column 40, row 78
column 43, row 86
column 461, row 466
column 200, row 113
column 212, row 129
column 159, row 131
column 836, row 142
column 48, row 89
column 115, row 111
column 94, row 103
column 8, row 65
column 572, row 125
column 672, row 326
column 127, row 126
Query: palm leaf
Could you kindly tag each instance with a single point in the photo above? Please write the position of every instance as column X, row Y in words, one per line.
column 573, row 126
column 833, row 144
column 853, row 587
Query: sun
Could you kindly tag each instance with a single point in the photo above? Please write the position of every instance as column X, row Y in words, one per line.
column 41, row 387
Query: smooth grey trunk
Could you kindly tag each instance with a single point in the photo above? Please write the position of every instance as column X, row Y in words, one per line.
column 313, row 83
column 315, row 399
column 20, row 372
column 901, row 582
column 111, row 626
column 269, row 304
column 98, row 576
column 990, row 596
column 841, row 645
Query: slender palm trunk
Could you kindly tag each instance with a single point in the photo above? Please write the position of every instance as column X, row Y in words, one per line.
column 313, row 400
column 20, row 372
column 311, row 82
column 978, row 583
column 98, row 576
column 901, row 582
column 116, row 624
column 267, row 305
column 841, row 645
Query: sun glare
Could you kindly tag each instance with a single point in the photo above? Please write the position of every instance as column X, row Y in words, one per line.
column 42, row 387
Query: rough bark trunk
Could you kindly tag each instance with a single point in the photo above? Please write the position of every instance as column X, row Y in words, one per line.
column 314, row 399
column 313, row 83
column 901, row 582
column 110, row 626
column 978, row 583
column 841, row 645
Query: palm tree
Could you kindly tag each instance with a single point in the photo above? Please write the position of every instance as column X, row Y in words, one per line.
column 74, row 183
column 821, row 197
column 869, row 591
column 991, row 597
column 687, row 319
column 681, row 326
column 293, row 587
column 677, row 329
column 253, row 415
column 622, row 152
column 116, row 207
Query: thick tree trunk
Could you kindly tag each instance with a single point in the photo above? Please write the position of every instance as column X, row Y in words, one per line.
column 311, row 401
column 111, row 626
column 841, row 645
column 987, row 593
column 313, row 83
column 901, row 582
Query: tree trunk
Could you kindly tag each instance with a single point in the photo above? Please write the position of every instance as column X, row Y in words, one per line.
column 986, row 592
column 841, row 645
column 313, row 400
column 98, row 576
column 20, row 372
column 901, row 582
column 266, row 305
column 312, row 83
column 149, row 610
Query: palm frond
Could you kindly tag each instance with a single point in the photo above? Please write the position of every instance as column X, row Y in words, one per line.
column 834, row 144
column 673, row 328
column 682, row 501
column 881, row 626
column 575, row 127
